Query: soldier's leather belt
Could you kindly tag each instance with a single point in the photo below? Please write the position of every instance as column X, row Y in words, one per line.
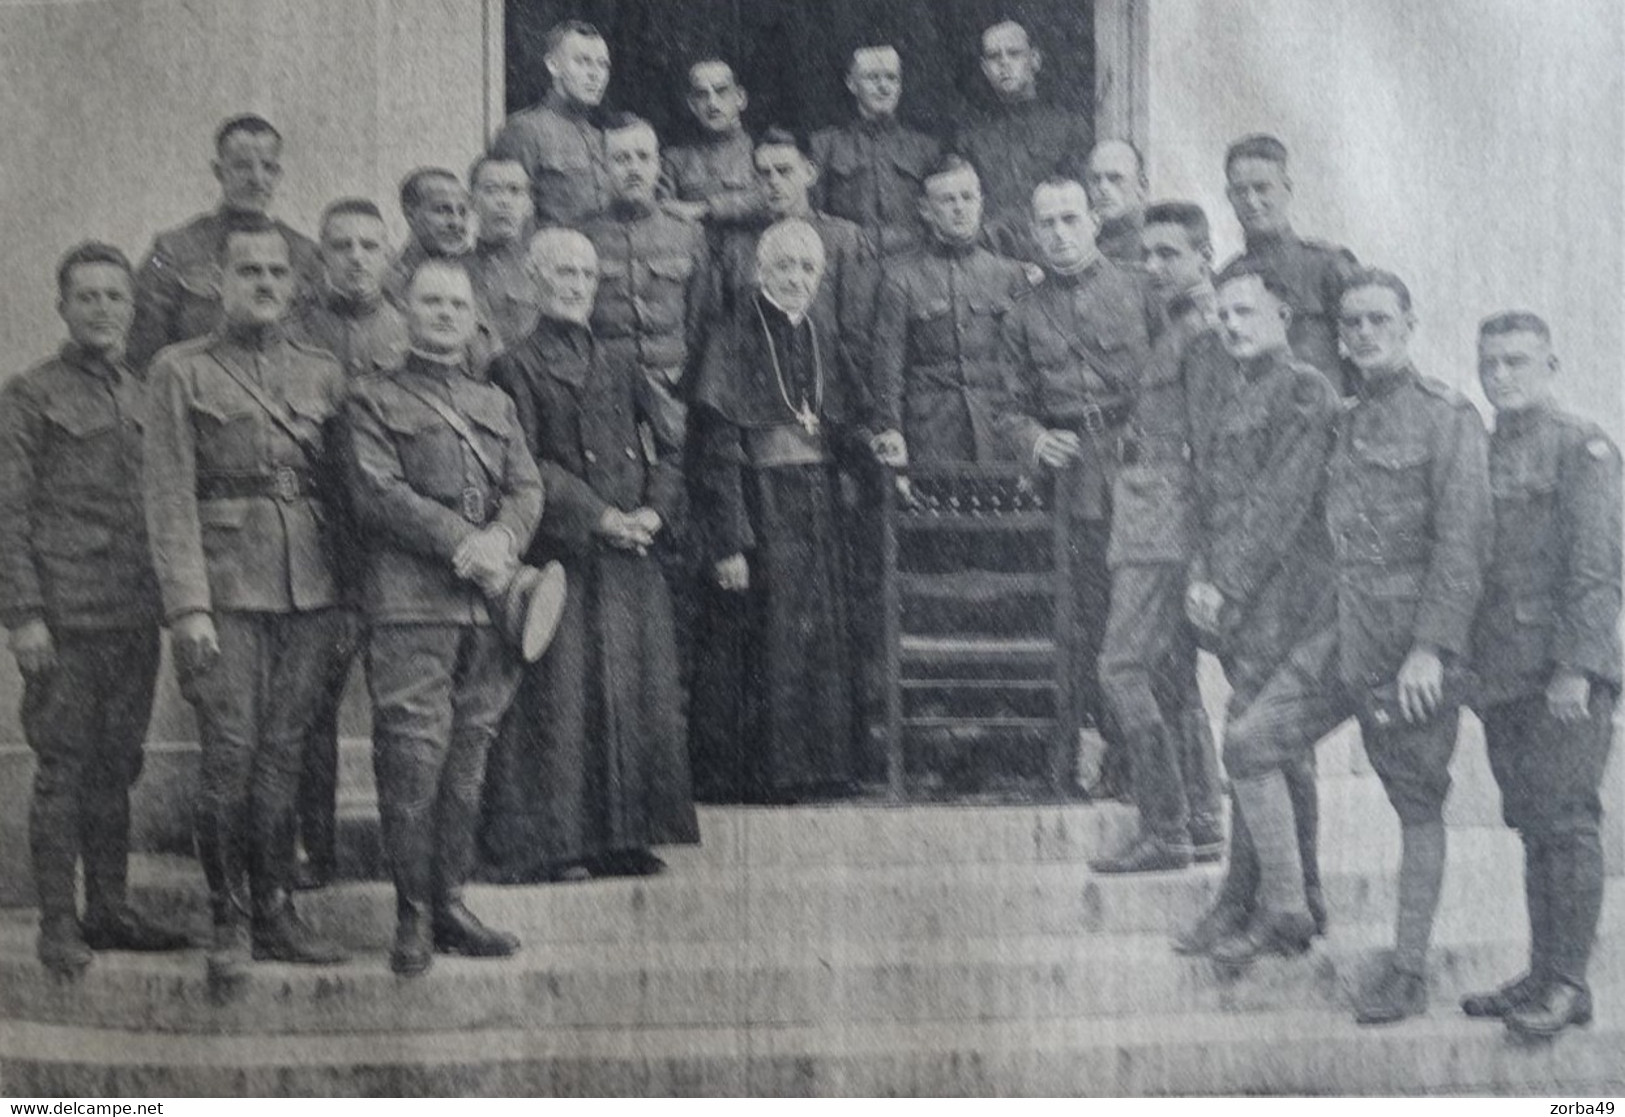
column 1093, row 418
column 474, row 505
column 285, row 483
column 785, row 445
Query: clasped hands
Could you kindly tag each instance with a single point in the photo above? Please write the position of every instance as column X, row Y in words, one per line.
column 629, row 531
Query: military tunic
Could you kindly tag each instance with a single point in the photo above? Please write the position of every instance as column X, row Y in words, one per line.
column 177, row 289
column 1315, row 273
column 721, row 172
column 507, row 296
column 244, row 514
column 593, row 759
column 563, row 152
column 872, row 172
column 366, row 336
column 655, row 288
column 1120, row 240
column 1552, row 602
column 441, row 676
column 1408, row 511
column 75, row 557
column 938, row 367
column 1014, row 147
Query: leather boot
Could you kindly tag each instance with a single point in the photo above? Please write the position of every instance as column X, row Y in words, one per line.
column 1561, row 1006
column 1218, row 923
column 1268, row 932
column 456, row 929
column 1393, row 995
column 411, row 954
column 1147, row 853
column 229, row 949
column 60, row 947
column 124, row 928
column 281, row 936
column 1502, row 1002
column 1305, row 794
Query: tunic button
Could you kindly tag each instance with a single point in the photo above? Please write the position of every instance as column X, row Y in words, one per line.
column 589, row 455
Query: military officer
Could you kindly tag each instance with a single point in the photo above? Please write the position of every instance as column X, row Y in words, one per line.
column 938, row 366
column 447, row 497
column 715, row 180
column 557, row 141
column 1020, row 140
column 1114, row 176
column 243, row 518
column 1546, row 649
column 1315, row 272
column 349, row 315
column 1260, row 576
column 79, row 600
column 1074, row 349
column 439, row 217
column 177, row 290
column 851, row 267
column 350, row 318
column 656, row 270
column 503, row 287
column 1148, row 653
column 1408, row 509
column 872, row 170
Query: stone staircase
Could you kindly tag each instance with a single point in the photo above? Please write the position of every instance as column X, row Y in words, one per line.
column 848, row 950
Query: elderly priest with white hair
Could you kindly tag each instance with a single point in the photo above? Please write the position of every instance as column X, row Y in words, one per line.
column 777, row 411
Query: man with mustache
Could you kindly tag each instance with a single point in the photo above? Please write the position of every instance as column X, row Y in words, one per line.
column 714, row 181
column 558, row 141
column 79, row 600
column 244, row 515
column 177, row 290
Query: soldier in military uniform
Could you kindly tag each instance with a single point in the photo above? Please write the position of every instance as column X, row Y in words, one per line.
column 1315, row 272
column 1408, row 511
column 447, row 496
column 1020, row 140
column 177, row 290
column 872, row 170
column 1148, row 653
column 439, row 216
column 242, row 515
column 79, row 599
column 1260, row 577
column 714, row 181
column 938, row 367
column 851, row 269
column 557, row 141
column 1114, row 176
column 349, row 317
column 1546, row 651
column 1075, row 347
column 503, row 287
column 656, row 273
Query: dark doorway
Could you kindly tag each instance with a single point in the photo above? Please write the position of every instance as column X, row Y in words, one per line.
column 791, row 54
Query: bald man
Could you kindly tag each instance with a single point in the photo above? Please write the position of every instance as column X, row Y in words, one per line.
column 1114, row 177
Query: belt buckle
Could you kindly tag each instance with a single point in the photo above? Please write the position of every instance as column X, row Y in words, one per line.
column 285, row 484
column 473, row 505
column 1094, row 420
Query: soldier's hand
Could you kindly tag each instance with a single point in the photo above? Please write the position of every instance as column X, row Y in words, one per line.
column 733, row 574
column 1204, row 606
column 889, row 449
column 195, row 642
column 1568, row 696
column 623, row 530
column 1057, row 449
column 486, row 558
column 648, row 521
column 1421, row 685
column 31, row 643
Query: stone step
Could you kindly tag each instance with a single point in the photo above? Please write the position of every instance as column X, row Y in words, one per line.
column 694, row 901
column 768, row 982
column 1310, row 1052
